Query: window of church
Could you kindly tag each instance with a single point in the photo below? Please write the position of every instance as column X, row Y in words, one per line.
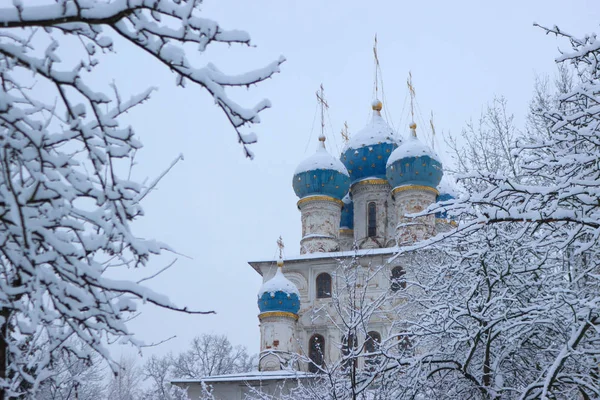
column 372, row 342
column 398, row 280
column 323, row 286
column 372, row 346
column 372, row 219
column 316, row 350
column 404, row 343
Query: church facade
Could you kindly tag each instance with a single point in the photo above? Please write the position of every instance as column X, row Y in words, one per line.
column 352, row 207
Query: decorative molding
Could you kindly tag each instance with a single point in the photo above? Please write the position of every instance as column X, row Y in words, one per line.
column 299, row 280
column 309, row 199
column 415, row 187
column 347, row 231
column 284, row 314
column 373, row 181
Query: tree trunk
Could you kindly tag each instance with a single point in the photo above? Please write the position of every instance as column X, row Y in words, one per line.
column 4, row 314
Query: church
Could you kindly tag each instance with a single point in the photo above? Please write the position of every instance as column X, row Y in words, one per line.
column 352, row 207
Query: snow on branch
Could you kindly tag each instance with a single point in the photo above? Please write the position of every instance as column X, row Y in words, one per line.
column 139, row 22
column 66, row 199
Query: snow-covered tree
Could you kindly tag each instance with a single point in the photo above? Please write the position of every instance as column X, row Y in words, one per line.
column 158, row 372
column 212, row 354
column 74, row 378
column 126, row 384
column 66, row 200
column 511, row 298
column 486, row 145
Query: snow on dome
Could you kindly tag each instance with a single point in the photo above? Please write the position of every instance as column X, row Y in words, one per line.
column 278, row 283
column 412, row 147
column 366, row 153
column 321, row 174
column 377, row 131
column 414, row 163
column 321, row 159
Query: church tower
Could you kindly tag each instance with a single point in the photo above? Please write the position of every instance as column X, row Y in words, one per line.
column 414, row 171
column 279, row 303
column 365, row 157
column 321, row 182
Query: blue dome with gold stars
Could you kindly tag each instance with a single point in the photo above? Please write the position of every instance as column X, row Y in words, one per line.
column 279, row 294
column 414, row 163
column 446, row 192
column 321, row 174
column 367, row 152
column 347, row 218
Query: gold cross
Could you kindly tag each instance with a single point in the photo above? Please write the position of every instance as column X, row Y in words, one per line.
column 344, row 132
column 411, row 90
column 432, row 131
column 281, row 246
column 376, row 65
column 324, row 105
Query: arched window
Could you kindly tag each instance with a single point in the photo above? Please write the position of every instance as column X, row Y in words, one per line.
column 372, row 346
column 372, row 342
column 316, row 349
column 398, row 281
column 323, row 286
column 404, row 344
column 372, row 219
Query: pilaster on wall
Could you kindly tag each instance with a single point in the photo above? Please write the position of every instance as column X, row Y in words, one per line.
column 410, row 200
column 364, row 192
column 320, row 223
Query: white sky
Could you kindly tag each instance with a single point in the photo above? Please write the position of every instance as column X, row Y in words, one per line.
column 222, row 210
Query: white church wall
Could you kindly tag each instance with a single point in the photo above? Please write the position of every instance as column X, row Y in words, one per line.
column 363, row 193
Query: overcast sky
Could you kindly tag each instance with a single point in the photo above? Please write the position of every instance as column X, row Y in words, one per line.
column 222, row 210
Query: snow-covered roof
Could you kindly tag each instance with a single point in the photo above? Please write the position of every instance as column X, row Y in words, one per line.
column 377, row 131
column 278, row 283
column 412, row 147
column 335, row 254
column 250, row 376
column 321, row 159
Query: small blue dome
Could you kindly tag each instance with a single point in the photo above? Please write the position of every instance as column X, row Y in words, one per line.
column 446, row 192
column 278, row 294
column 414, row 163
column 367, row 152
column 347, row 220
column 321, row 174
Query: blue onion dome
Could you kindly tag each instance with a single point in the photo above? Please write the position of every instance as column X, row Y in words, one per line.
column 414, row 163
column 366, row 153
column 446, row 191
column 321, row 174
column 347, row 220
column 278, row 294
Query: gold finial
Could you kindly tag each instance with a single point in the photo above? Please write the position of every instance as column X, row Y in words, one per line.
column 344, row 132
column 413, row 126
column 322, row 138
column 281, row 246
column 377, row 105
